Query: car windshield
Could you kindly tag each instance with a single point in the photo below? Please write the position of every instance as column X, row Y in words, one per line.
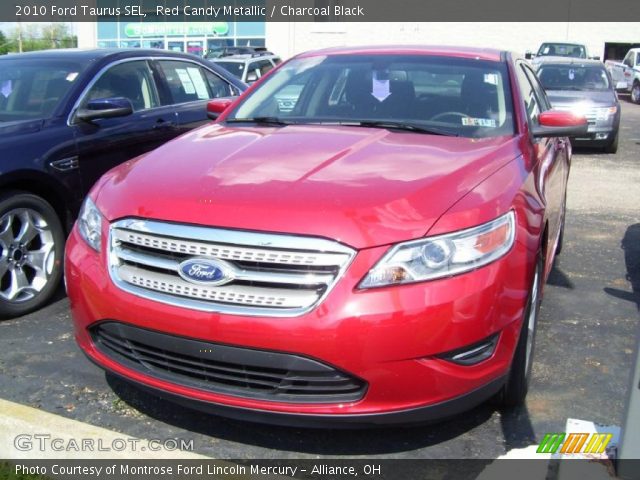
column 562, row 50
column 235, row 68
column 427, row 94
column 33, row 88
column 573, row 77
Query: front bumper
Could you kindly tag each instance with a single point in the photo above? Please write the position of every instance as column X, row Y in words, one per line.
column 390, row 338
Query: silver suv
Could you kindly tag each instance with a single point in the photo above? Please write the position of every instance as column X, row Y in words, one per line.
column 250, row 67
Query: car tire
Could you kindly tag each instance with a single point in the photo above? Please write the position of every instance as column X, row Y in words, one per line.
column 635, row 92
column 612, row 147
column 514, row 391
column 31, row 252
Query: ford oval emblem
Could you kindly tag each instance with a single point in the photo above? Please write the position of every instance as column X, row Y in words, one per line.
column 205, row 271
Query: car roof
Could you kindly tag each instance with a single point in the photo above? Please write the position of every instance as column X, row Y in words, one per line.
column 81, row 54
column 241, row 58
column 433, row 50
column 563, row 43
column 551, row 60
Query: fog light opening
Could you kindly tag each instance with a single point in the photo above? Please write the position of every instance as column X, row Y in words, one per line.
column 601, row 136
column 473, row 354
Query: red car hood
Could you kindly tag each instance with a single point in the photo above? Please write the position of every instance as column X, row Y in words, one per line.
column 362, row 186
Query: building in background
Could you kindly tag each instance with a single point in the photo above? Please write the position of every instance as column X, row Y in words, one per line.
column 605, row 40
column 198, row 38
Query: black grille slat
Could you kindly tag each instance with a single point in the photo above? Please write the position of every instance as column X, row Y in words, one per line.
column 225, row 369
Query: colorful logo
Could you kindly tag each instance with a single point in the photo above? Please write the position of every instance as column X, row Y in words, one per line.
column 574, row 443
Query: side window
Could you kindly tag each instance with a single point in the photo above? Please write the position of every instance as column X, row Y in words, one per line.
column 132, row 80
column 185, row 80
column 538, row 89
column 637, row 58
column 217, row 86
column 628, row 60
column 530, row 101
column 260, row 67
column 276, row 60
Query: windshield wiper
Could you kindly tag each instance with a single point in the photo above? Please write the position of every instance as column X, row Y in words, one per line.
column 412, row 127
column 260, row 120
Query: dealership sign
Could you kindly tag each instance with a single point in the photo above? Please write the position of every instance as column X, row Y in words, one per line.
column 160, row 29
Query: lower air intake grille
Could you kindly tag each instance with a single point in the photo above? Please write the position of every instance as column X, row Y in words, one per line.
column 237, row 371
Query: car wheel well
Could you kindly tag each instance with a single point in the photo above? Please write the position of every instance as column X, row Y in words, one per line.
column 46, row 192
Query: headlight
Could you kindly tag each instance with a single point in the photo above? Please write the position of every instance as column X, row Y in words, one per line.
column 604, row 113
column 90, row 224
column 443, row 255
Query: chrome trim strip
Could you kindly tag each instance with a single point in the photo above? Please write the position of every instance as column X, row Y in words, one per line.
column 311, row 278
column 270, row 243
column 251, row 296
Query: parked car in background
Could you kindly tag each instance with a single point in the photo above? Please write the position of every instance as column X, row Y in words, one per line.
column 68, row 116
column 626, row 74
column 248, row 68
column 559, row 49
column 584, row 87
column 374, row 254
column 239, row 50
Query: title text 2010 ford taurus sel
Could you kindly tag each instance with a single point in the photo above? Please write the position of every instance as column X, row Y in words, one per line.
column 374, row 253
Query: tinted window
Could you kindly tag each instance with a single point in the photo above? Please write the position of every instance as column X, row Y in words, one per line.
column 132, row 80
column 467, row 97
column 573, row 77
column 531, row 104
column 32, row 89
column 217, row 86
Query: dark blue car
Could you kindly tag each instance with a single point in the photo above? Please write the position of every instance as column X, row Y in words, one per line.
column 68, row 116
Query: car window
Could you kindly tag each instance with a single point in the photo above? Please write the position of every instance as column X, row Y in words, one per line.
column 276, row 60
column 574, row 77
column 187, row 82
column 541, row 96
column 628, row 60
column 31, row 89
column 638, row 58
column 217, row 86
column 531, row 104
column 132, row 80
column 461, row 96
column 235, row 68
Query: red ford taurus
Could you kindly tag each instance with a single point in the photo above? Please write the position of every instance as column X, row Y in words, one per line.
column 363, row 237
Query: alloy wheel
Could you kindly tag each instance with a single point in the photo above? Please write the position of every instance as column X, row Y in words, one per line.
column 635, row 93
column 27, row 254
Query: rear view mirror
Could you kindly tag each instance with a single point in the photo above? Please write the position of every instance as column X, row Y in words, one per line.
column 217, row 106
column 105, row 108
column 559, row 123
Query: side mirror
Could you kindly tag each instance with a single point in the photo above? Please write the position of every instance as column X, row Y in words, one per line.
column 559, row 123
column 529, row 55
column 252, row 77
column 105, row 108
column 217, row 106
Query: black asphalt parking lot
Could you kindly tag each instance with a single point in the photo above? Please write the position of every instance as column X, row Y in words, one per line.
column 584, row 350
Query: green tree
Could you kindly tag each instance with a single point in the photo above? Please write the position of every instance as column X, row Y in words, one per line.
column 5, row 44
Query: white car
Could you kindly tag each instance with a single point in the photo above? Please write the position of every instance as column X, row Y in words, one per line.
column 250, row 67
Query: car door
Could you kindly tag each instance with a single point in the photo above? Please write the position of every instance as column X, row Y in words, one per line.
column 553, row 154
column 188, row 86
column 104, row 143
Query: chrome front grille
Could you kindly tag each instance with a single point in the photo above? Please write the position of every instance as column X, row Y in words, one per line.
column 272, row 274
